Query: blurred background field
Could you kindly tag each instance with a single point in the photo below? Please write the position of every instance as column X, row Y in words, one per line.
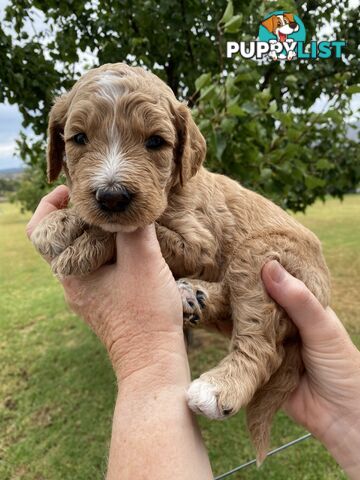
column 57, row 389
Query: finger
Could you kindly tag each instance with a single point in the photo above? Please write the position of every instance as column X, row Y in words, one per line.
column 139, row 248
column 54, row 200
column 313, row 322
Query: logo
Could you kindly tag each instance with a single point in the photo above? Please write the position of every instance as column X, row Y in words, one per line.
column 282, row 36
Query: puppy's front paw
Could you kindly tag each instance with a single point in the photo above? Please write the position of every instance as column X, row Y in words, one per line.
column 193, row 300
column 70, row 262
column 56, row 232
column 88, row 252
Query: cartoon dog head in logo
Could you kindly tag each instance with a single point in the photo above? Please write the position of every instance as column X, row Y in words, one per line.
column 281, row 25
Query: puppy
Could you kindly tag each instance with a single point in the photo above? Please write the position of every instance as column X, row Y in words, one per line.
column 281, row 26
column 132, row 155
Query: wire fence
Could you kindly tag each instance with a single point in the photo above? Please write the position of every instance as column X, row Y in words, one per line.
column 272, row 452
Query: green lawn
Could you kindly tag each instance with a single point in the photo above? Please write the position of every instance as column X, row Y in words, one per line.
column 57, row 389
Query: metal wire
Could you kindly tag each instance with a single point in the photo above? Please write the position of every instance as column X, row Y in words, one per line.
column 272, row 452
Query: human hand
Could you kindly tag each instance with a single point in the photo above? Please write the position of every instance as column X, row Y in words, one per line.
column 134, row 305
column 135, row 308
column 327, row 400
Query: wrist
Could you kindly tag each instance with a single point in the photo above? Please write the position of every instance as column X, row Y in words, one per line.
column 155, row 357
column 342, row 440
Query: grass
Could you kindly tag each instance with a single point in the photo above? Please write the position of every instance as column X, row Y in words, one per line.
column 57, row 389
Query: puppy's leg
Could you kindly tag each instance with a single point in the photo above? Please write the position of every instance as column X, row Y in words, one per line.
column 256, row 350
column 87, row 253
column 205, row 304
column 254, row 356
column 56, row 232
column 187, row 254
column 269, row 398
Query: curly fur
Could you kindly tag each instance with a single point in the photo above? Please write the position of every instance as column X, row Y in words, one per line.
column 211, row 230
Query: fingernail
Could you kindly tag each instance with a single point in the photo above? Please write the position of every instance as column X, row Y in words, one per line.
column 276, row 271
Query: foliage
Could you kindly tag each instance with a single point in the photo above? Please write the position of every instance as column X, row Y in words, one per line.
column 257, row 118
column 33, row 184
column 8, row 185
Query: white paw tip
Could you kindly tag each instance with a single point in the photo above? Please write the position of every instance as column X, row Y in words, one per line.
column 201, row 398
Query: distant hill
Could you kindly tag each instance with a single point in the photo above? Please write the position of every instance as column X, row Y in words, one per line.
column 11, row 172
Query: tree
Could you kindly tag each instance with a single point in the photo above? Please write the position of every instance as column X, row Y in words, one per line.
column 256, row 118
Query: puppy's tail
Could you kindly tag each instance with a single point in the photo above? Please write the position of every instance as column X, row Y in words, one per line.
column 267, row 401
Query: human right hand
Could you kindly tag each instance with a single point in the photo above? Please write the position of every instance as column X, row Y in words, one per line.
column 327, row 400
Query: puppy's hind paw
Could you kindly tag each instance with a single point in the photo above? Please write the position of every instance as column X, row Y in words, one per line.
column 193, row 300
column 202, row 399
column 212, row 400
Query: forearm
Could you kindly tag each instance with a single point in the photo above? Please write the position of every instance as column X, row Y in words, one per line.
column 343, row 442
column 154, row 434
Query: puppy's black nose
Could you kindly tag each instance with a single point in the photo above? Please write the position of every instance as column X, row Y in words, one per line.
column 293, row 25
column 113, row 200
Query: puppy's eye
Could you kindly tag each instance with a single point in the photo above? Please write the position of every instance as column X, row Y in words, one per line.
column 80, row 139
column 154, row 142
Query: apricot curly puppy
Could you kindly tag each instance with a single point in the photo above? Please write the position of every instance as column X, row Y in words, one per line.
column 133, row 155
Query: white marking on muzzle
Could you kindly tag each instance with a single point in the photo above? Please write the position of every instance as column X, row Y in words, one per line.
column 108, row 174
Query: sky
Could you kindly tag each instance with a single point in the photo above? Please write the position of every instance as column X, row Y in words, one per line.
column 10, row 125
column 10, row 117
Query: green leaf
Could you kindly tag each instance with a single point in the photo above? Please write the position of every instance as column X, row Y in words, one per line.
column 236, row 110
column 229, row 12
column 204, row 124
column 334, row 115
column 220, row 144
column 272, row 107
column 250, row 107
column 208, row 93
column 313, row 182
column 353, row 89
column 265, row 173
column 293, row 134
column 233, row 25
column 324, row 164
column 202, row 81
column 291, row 80
column 228, row 124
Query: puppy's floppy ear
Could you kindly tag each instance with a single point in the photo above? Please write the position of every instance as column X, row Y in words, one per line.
column 56, row 145
column 191, row 146
column 290, row 17
column 270, row 23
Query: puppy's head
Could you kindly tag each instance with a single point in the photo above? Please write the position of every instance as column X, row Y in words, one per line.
column 123, row 141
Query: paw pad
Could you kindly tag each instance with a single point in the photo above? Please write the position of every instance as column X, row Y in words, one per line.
column 193, row 301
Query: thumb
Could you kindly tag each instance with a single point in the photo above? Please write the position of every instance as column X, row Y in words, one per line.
column 138, row 249
column 54, row 200
column 316, row 325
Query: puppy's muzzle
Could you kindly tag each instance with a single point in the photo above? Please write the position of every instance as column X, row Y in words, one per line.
column 113, row 200
column 293, row 25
